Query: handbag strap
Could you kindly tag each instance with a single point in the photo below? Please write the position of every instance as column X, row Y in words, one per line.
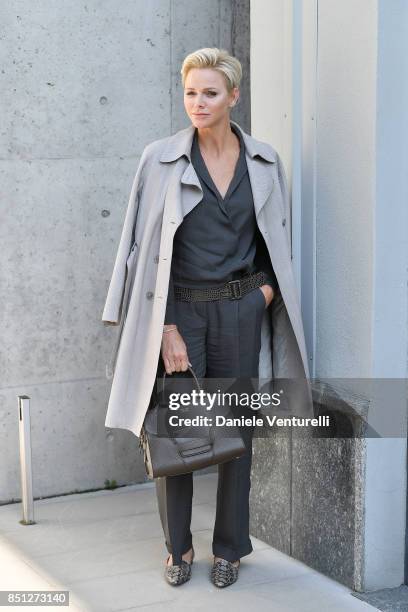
column 192, row 372
column 191, row 446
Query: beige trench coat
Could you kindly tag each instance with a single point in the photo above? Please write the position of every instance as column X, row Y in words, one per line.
column 164, row 190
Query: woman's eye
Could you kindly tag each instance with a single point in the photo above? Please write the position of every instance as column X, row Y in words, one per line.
column 210, row 93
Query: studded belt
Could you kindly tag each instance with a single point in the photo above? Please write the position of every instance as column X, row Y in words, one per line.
column 232, row 290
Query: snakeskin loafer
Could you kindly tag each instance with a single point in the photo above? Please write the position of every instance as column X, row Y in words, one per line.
column 224, row 573
column 178, row 574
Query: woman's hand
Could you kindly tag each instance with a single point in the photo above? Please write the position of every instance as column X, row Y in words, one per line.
column 268, row 293
column 174, row 351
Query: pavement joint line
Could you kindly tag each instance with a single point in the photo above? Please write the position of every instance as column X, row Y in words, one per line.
column 135, row 513
column 103, row 544
column 79, row 550
column 138, row 486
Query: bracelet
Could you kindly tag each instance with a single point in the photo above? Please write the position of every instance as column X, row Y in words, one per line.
column 170, row 329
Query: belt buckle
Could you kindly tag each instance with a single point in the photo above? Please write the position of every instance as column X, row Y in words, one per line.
column 235, row 286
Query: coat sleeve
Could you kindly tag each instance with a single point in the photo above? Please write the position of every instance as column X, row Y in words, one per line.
column 113, row 305
column 284, row 194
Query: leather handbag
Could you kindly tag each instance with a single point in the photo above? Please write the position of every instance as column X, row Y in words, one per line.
column 185, row 452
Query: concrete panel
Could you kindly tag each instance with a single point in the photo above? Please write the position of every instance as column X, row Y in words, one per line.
column 326, row 498
column 71, row 449
column 86, row 80
column 345, row 186
column 86, row 87
column 271, row 74
column 307, row 494
column 270, row 500
column 60, row 251
column 348, row 499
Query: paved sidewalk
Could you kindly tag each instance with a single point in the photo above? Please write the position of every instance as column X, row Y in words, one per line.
column 107, row 549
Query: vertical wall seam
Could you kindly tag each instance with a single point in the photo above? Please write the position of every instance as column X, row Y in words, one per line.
column 232, row 36
column 291, row 494
column 219, row 23
column 171, row 65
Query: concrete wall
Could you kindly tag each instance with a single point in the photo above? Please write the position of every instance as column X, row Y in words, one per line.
column 346, row 153
column 86, row 86
column 385, row 493
column 339, row 505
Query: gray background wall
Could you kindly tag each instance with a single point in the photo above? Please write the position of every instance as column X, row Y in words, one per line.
column 340, row 505
column 85, row 86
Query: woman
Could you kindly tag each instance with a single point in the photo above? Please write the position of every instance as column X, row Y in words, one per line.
column 217, row 242
column 214, row 226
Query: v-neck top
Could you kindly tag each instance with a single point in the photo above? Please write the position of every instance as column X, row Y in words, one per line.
column 204, row 175
column 219, row 238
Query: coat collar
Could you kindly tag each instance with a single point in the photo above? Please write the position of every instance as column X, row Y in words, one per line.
column 180, row 144
column 256, row 152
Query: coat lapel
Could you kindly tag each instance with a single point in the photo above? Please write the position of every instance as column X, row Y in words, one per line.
column 191, row 191
column 262, row 182
column 178, row 149
column 259, row 156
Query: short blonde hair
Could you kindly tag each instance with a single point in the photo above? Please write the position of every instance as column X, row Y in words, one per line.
column 219, row 59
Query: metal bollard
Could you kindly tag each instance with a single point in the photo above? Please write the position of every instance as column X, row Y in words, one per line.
column 25, row 460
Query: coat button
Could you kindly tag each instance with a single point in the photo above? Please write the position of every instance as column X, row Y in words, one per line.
column 149, row 295
column 156, row 259
column 283, row 221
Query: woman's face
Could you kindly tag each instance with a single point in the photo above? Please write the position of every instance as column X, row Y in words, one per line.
column 206, row 98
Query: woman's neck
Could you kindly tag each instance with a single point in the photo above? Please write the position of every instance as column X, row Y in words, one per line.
column 217, row 140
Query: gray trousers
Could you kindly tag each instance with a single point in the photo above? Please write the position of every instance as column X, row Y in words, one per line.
column 223, row 340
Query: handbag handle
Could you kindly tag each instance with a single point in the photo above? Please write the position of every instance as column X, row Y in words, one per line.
column 192, row 372
column 211, row 432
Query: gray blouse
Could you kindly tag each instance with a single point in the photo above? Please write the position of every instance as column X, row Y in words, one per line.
column 220, row 236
